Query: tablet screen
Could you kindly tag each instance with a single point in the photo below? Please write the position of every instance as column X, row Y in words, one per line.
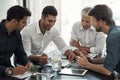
column 69, row 71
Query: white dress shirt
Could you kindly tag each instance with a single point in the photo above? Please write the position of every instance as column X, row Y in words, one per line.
column 89, row 38
column 35, row 42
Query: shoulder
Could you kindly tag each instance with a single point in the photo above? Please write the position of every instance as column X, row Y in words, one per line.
column 114, row 35
column 17, row 34
column 77, row 26
column 115, row 32
column 30, row 28
column 101, row 34
column 25, row 32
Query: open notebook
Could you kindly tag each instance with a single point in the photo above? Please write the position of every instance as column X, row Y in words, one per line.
column 29, row 74
column 69, row 71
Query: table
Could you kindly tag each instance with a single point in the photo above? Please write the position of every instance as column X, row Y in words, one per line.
column 90, row 75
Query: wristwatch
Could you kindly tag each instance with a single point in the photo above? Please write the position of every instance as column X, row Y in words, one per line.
column 9, row 71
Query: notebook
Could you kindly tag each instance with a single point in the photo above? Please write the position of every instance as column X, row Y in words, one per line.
column 28, row 74
column 69, row 71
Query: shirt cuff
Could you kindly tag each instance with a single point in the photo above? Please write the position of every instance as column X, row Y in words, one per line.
column 65, row 49
column 74, row 48
column 92, row 50
column 28, row 53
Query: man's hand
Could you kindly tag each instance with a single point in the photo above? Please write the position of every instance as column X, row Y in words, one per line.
column 78, row 52
column 83, row 48
column 29, row 65
column 74, row 43
column 43, row 59
column 70, row 55
column 19, row 70
column 82, row 60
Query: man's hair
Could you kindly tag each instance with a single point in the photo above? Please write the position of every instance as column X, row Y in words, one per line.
column 17, row 12
column 86, row 10
column 103, row 12
column 49, row 10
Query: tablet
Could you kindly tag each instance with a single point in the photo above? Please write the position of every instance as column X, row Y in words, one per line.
column 69, row 71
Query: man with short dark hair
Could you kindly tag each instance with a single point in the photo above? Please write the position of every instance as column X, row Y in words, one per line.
column 102, row 18
column 37, row 36
column 11, row 43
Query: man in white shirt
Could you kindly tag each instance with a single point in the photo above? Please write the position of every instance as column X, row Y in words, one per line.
column 38, row 35
column 85, row 37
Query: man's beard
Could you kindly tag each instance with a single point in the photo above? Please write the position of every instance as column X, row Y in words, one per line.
column 48, row 28
column 99, row 29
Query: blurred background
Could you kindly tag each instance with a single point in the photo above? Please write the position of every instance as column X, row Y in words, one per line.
column 68, row 12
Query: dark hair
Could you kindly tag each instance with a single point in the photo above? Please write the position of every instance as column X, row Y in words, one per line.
column 102, row 12
column 17, row 12
column 49, row 10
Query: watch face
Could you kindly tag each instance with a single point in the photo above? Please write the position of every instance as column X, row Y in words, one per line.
column 10, row 72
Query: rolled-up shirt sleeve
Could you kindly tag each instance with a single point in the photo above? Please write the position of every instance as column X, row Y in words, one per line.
column 57, row 39
column 113, row 53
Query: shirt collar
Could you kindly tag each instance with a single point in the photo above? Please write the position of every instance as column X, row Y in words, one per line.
column 91, row 28
column 4, row 29
column 110, row 29
column 38, row 28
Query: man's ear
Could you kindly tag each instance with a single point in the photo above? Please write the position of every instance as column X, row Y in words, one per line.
column 14, row 21
column 42, row 17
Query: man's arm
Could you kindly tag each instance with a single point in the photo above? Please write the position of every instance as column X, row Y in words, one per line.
column 70, row 55
column 42, row 59
column 62, row 46
column 20, row 52
column 97, row 60
column 83, row 62
column 75, row 43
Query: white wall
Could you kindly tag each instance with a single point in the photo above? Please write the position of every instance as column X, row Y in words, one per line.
column 4, row 6
column 71, row 9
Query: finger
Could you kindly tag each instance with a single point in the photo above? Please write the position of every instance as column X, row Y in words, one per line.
column 80, row 54
column 44, row 54
column 73, row 58
column 77, row 58
column 70, row 58
column 26, row 68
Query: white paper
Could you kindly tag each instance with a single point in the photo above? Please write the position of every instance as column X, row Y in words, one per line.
column 22, row 76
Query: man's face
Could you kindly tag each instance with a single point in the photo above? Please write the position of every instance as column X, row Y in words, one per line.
column 48, row 21
column 96, row 24
column 86, row 21
column 22, row 23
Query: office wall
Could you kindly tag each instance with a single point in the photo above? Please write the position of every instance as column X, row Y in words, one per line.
column 4, row 6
